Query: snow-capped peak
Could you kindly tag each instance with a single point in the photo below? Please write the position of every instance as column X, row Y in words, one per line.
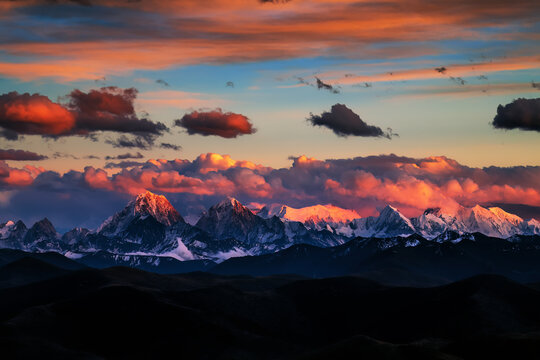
column 390, row 213
column 156, row 206
column 503, row 215
column 229, row 202
column 144, row 205
column 316, row 217
column 327, row 213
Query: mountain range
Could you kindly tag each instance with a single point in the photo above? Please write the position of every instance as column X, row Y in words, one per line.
column 149, row 233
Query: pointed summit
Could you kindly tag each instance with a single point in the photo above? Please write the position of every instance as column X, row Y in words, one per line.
column 229, row 219
column 145, row 205
column 230, row 203
column 156, row 206
column 43, row 227
column 392, row 223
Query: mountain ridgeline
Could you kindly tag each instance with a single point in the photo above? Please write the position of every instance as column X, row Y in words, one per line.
column 321, row 240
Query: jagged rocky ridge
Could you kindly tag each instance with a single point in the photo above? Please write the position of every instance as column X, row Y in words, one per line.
column 149, row 232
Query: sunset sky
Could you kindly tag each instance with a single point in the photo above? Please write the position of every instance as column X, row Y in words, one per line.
column 354, row 103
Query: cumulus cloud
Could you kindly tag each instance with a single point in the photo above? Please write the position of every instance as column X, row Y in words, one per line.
column 20, row 155
column 17, row 177
column 362, row 183
column 344, row 122
column 521, row 114
column 216, row 122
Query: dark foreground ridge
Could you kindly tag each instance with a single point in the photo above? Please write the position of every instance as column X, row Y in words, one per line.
column 50, row 311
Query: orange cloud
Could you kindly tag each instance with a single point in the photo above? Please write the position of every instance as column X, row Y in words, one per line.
column 18, row 177
column 34, row 114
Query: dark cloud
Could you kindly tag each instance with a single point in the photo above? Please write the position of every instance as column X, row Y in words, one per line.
column 521, row 114
column 92, row 157
column 216, row 122
column 20, row 155
column 344, row 122
column 364, row 85
column 482, row 77
column 110, row 109
column 170, row 146
column 301, row 80
column 9, row 135
column 134, row 142
column 61, row 155
column 123, row 164
column 125, row 156
column 458, row 80
column 162, row 82
column 229, row 84
column 535, row 85
column 441, row 69
column 323, row 85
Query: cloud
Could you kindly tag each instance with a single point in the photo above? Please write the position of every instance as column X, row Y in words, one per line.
column 521, row 114
column 322, row 85
column 147, row 35
column 143, row 143
column 105, row 109
column 110, row 109
column 59, row 155
column 33, row 115
column 137, row 155
column 170, row 146
column 458, row 80
column 18, row 177
column 162, row 82
column 20, row 155
column 216, row 122
column 123, row 164
column 344, row 122
column 441, row 69
column 361, row 183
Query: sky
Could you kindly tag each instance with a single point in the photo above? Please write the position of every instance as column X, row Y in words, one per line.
column 358, row 104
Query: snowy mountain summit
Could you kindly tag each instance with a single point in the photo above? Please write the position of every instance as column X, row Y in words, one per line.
column 143, row 206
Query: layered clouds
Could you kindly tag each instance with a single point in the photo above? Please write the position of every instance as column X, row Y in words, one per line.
column 364, row 183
